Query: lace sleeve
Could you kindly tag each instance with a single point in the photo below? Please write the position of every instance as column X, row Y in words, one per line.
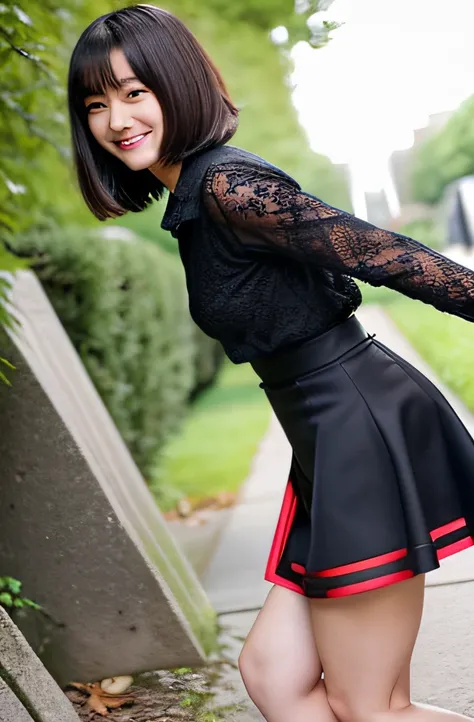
column 262, row 207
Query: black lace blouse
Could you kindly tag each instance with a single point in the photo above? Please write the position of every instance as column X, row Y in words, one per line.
column 268, row 265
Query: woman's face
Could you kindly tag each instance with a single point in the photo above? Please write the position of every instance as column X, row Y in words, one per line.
column 127, row 122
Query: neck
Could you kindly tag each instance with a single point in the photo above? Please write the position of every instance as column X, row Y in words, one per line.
column 168, row 175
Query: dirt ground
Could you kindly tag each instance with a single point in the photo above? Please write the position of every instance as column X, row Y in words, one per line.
column 163, row 696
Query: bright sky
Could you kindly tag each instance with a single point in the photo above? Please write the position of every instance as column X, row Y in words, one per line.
column 392, row 64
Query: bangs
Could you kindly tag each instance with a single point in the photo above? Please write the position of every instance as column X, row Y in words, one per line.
column 91, row 71
column 97, row 75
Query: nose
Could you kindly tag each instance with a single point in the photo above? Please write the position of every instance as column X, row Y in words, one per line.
column 119, row 117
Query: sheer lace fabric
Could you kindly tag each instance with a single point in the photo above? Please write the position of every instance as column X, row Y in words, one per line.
column 262, row 208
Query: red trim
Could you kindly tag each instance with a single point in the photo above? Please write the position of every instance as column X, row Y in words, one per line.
column 362, row 565
column 398, row 576
column 455, row 547
column 389, row 557
column 448, row 528
column 283, row 528
column 354, row 566
column 274, row 578
column 369, row 585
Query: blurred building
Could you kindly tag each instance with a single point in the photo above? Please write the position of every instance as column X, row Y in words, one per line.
column 401, row 160
column 343, row 171
column 400, row 167
column 435, row 123
column 397, row 192
column 378, row 210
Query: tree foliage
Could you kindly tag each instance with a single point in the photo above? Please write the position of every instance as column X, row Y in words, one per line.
column 298, row 16
column 36, row 185
column 446, row 156
column 256, row 72
column 35, row 42
column 30, row 107
column 25, row 77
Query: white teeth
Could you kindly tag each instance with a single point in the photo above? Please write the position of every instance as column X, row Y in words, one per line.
column 133, row 140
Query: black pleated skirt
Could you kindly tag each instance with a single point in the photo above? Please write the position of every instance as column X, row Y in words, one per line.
column 381, row 484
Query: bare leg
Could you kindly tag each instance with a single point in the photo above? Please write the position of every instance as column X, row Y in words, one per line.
column 365, row 643
column 280, row 664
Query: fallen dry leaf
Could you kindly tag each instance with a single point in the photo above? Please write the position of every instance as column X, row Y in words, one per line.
column 100, row 701
column 95, row 703
column 184, row 507
column 187, row 506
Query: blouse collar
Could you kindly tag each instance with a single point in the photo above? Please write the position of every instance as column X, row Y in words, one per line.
column 184, row 203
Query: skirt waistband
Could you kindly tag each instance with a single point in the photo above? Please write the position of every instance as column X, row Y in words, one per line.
column 311, row 355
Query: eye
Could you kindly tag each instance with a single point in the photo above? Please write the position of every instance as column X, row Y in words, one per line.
column 94, row 106
column 133, row 93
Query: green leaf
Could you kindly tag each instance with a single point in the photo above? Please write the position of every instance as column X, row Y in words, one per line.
column 4, row 379
column 6, row 599
column 30, row 603
column 13, row 585
column 22, row 16
column 11, row 263
column 7, row 363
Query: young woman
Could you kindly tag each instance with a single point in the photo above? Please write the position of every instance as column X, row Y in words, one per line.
column 381, row 485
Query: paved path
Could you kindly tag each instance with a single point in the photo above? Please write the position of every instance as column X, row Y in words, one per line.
column 444, row 658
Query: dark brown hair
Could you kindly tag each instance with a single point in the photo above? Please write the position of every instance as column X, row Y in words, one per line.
column 166, row 57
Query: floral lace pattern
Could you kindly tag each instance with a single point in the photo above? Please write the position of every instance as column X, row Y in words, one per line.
column 264, row 208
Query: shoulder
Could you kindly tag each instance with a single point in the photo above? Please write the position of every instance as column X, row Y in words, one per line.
column 233, row 166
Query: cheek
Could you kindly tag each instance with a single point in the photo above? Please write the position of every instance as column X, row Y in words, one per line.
column 154, row 114
column 98, row 128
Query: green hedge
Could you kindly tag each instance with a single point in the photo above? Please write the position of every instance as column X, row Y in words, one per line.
column 124, row 306
column 209, row 357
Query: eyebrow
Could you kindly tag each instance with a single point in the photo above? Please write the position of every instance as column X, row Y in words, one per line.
column 122, row 81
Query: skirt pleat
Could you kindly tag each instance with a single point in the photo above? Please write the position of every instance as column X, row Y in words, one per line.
column 381, row 484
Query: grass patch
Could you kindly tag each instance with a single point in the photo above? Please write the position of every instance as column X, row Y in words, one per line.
column 213, row 452
column 380, row 295
column 445, row 342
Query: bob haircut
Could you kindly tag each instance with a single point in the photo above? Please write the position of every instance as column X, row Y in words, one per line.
column 166, row 57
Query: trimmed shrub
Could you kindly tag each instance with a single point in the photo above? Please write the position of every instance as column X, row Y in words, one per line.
column 208, row 360
column 146, row 224
column 124, row 306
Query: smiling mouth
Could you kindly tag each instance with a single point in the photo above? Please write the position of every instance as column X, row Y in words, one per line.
column 133, row 142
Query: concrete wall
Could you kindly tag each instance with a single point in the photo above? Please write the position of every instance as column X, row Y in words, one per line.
column 78, row 525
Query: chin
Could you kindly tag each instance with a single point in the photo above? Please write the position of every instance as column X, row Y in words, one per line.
column 140, row 163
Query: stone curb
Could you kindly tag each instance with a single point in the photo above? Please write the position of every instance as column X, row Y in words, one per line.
column 38, row 697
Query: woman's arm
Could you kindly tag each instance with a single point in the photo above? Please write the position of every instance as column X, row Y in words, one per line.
column 262, row 207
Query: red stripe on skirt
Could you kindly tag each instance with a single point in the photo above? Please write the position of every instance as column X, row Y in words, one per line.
column 369, row 585
column 455, row 547
column 285, row 521
column 448, row 528
column 394, row 556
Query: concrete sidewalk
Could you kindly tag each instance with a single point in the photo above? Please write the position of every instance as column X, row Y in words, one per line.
column 443, row 666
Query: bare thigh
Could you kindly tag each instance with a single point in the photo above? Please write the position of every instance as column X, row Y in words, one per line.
column 281, row 667
column 281, row 645
column 365, row 643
